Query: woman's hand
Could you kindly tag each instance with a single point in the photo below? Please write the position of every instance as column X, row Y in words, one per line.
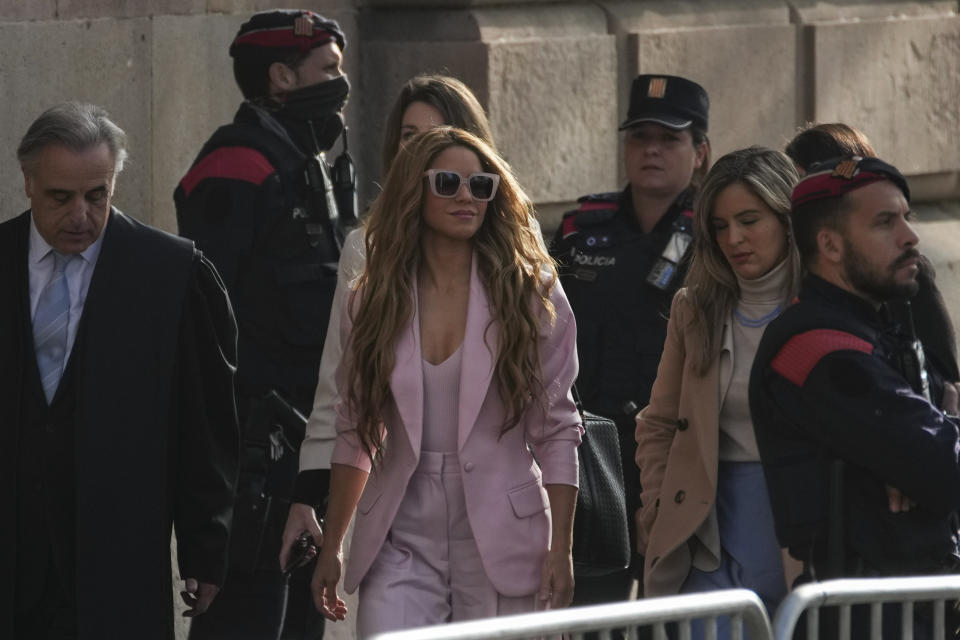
column 324, row 584
column 556, row 580
column 300, row 518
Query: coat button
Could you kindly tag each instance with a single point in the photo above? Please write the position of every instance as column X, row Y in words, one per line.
column 679, row 497
column 682, row 424
column 654, row 561
column 468, row 467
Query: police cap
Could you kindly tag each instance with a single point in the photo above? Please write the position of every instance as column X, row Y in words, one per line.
column 287, row 29
column 838, row 176
column 671, row 101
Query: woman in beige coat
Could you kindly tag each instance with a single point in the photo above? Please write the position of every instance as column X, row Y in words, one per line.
column 705, row 522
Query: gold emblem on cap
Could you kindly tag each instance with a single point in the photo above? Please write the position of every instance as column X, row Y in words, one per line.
column 303, row 26
column 657, row 88
column 846, row 169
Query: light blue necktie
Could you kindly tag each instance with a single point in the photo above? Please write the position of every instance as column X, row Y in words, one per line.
column 50, row 326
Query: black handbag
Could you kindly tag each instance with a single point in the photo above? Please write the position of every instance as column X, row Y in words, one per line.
column 601, row 539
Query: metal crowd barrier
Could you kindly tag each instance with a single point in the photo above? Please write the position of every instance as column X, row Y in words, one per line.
column 744, row 608
column 875, row 592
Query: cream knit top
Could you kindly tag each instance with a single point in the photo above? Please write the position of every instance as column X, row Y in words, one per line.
column 761, row 300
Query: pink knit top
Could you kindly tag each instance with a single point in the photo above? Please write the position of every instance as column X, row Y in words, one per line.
column 441, row 403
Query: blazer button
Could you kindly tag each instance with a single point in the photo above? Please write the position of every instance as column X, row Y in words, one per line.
column 682, row 424
column 679, row 497
column 468, row 467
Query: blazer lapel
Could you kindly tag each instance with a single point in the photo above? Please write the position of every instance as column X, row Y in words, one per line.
column 406, row 381
column 480, row 340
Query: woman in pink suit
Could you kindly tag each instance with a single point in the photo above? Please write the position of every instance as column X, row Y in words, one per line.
column 459, row 355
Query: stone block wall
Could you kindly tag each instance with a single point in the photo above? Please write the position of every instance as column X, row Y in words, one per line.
column 553, row 74
column 194, row 92
column 547, row 78
column 910, row 106
column 104, row 61
column 554, row 77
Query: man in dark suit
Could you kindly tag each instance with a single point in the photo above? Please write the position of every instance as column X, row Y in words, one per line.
column 116, row 401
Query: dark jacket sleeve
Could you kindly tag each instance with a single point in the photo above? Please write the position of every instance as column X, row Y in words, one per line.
column 933, row 324
column 208, row 439
column 559, row 245
column 225, row 217
column 863, row 411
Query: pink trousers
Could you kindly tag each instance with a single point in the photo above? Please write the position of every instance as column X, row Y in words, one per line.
column 429, row 570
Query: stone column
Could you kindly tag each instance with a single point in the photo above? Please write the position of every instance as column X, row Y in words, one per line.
column 545, row 73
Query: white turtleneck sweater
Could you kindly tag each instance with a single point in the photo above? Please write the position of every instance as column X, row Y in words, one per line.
column 760, row 302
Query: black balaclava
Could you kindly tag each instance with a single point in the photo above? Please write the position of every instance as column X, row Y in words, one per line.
column 313, row 115
column 310, row 115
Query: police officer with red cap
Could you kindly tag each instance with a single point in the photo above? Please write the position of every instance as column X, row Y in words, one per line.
column 261, row 203
column 861, row 463
column 621, row 260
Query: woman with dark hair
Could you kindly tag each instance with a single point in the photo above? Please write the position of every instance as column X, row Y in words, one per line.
column 706, row 522
column 425, row 101
column 428, row 101
column 818, row 142
column 459, row 353
column 926, row 310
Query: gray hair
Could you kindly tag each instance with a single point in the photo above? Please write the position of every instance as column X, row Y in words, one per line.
column 76, row 126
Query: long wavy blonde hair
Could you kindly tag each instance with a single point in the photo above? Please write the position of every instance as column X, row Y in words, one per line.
column 513, row 263
column 711, row 284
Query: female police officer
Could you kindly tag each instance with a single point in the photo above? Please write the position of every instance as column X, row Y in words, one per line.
column 622, row 259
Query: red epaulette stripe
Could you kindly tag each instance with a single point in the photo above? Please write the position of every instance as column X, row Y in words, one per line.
column 234, row 163
column 569, row 227
column 596, row 206
column 284, row 38
column 801, row 353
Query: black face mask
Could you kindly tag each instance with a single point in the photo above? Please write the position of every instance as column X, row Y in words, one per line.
column 314, row 111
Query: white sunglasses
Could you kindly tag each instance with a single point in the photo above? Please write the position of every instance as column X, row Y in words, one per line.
column 446, row 184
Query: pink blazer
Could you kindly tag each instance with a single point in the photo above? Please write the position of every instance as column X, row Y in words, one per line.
column 506, row 503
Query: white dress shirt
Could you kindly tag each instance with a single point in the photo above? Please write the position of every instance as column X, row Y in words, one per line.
column 40, row 261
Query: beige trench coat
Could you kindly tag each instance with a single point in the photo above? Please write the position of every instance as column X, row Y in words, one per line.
column 677, row 451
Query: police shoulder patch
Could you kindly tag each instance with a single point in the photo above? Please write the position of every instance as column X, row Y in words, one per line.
column 232, row 163
column 595, row 213
column 568, row 226
column 594, row 209
column 801, row 353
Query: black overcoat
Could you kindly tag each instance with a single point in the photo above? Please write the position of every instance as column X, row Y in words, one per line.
column 155, row 428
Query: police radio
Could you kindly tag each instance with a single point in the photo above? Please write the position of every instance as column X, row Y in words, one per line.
column 320, row 193
column 911, row 359
column 667, row 265
column 344, row 176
